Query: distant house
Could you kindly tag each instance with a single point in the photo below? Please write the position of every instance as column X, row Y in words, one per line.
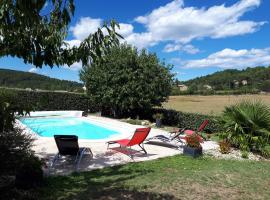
column 235, row 83
column 244, row 82
column 208, row 87
column 28, row 89
column 182, row 87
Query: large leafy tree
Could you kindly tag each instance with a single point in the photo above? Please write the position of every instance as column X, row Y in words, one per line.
column 36, row 34
column 128, row 79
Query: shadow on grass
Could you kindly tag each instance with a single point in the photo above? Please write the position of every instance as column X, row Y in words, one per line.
column 109, row 183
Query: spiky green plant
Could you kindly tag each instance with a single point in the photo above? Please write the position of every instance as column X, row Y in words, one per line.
column 247, row 125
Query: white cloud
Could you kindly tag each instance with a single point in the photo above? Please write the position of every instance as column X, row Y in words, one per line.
column 141, row 40
column 84, row 27
column 174, row 22
column 33, row 70
column 125, row 29
column 230, row 58
column 75, row 66
column 190, row 49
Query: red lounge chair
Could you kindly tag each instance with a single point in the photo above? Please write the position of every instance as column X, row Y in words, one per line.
column 138, row 138
column 200, row 129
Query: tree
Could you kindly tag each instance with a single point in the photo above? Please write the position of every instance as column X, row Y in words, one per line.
column 36, row 34
column 128, row 79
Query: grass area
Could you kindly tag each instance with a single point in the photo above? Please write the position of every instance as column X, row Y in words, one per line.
column 177, row 177
column 209, row 104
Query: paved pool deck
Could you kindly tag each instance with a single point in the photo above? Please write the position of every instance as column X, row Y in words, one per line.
column 45, row 147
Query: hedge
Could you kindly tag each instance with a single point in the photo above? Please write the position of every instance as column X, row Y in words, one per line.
column 40, row 100
column 179, row 119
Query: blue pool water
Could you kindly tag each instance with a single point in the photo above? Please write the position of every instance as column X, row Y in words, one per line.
column 47, row 127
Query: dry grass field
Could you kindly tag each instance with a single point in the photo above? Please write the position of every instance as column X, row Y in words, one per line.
column 209, row 104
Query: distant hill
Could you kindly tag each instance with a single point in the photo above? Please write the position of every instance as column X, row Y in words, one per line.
column 247, row 80
column 227, row 79
column 20, row 79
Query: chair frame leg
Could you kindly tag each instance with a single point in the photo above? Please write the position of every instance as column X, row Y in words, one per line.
column 56, row 157
column 142, row 147
column 80, row 155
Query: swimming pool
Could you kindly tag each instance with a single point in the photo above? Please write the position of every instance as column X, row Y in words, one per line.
column 49, row 126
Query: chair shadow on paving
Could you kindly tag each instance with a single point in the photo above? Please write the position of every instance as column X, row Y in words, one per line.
column 129, row 152
column 164, row 144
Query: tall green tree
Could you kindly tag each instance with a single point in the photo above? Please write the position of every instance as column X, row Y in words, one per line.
column 36, row 34
column 128, row 79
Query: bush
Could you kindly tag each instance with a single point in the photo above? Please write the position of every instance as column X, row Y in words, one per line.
column 266, row 151
column 29, row 174
column 224, row 147
column 244, row 154
column 247, row 125
column 15, row 146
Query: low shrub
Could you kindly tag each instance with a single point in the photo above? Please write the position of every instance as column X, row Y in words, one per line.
column 247, row 125
column 29, row 173
column 266, row 151
column 224, row 147
column 16, row 154
column 244, row 154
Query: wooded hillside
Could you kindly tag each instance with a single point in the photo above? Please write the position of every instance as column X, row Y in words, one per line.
column 20, row 79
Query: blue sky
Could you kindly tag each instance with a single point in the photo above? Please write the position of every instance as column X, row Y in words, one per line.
column 197, row 37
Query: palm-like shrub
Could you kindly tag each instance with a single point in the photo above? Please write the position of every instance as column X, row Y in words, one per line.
column 247, row 125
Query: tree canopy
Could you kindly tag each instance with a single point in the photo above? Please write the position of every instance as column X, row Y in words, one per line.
column 36, row 34
column 128, row 79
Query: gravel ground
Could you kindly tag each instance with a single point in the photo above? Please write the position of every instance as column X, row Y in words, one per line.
column 234, row 154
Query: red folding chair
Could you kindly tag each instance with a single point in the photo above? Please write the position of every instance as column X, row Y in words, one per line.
column 138, row 138
column 199, row 130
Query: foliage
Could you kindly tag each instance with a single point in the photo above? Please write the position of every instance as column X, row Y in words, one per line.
column 43, row 101
column 177, row 118
column 193, row 140
column 244, row 154
column 266, row 151
column 29, row 174
column 265, row 86
column 19, row 79
column 231, row 82
column 188, row 120
column 36, row 33
column 15, row 146
column 158, row 116
column 128, row 79
column 9, row 107
column 224, row 147
column 247, row 125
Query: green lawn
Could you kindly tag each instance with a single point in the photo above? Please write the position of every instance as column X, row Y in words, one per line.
column 177, row 177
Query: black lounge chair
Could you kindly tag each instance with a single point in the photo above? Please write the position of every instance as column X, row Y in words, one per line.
column 172, row 141
column 68, row 145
